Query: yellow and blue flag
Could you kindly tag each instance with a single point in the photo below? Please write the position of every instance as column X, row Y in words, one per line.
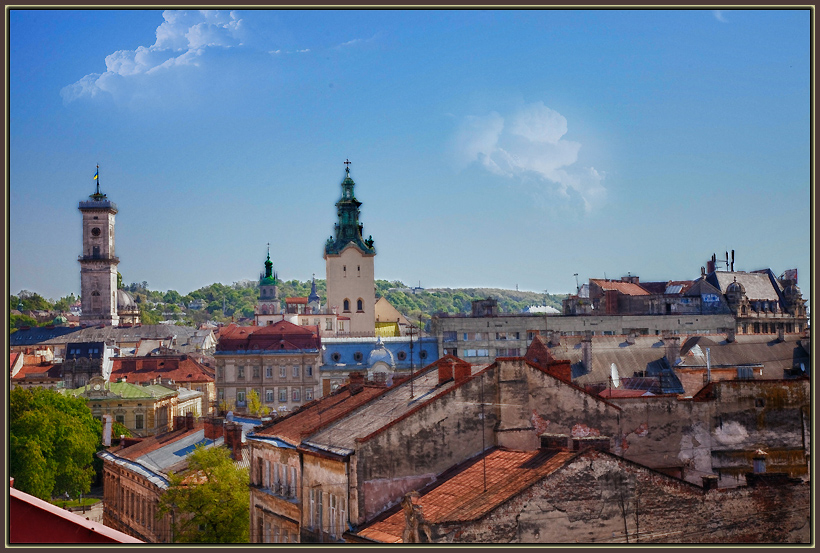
column 97, row 174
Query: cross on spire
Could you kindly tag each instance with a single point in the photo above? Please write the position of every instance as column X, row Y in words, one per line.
column 347, row 163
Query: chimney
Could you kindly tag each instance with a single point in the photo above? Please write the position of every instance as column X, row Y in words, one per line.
column 233, row 439
column 445, row 371
column 710, row 482
column 586, row 351
column 356, row 382
column 759, row 462
column 630, row 338
column 672, row 349
column 555, row 338
column 730, row 335
column 108, row 423
column 179, row 422
column 213, row 427
column 462, row 371
column 781, row 334
column 555, row 441
column 189, row 421
column 600, row 443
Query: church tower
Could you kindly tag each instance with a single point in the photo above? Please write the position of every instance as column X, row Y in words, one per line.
column 268, row 296
column 98, row 264
column 349, row 264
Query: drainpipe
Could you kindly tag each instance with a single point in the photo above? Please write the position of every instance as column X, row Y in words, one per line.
column 708, row 366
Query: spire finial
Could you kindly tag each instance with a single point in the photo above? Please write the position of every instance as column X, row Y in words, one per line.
column 347, row 163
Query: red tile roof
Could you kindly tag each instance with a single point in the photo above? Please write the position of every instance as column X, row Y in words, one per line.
column 13, row 358
column 279, row 335
column 44, row 370
column 461, row 495
column 627, row 288
column 319, row 413
column 296, row 300
column 179, row 368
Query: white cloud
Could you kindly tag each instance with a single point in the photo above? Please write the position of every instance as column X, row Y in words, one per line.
column 719, row 15
column 181, row 40
column 529, row 144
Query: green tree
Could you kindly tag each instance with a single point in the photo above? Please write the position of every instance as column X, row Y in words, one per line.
column 52, row 441
column 255, row 406
column 210, row 499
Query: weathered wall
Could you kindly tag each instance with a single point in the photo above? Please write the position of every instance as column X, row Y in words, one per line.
column 414, row 450
column 326, row 477
column 601, row 499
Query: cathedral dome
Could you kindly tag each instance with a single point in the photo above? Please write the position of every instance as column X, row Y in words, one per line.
column 125, row 302
column 380, row 354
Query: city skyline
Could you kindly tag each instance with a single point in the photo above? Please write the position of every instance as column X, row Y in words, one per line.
column 489, row 148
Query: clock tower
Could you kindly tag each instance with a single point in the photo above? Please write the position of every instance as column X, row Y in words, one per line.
column 98, row 263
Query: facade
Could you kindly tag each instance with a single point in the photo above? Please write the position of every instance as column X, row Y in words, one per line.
column 350, row 270
column 33, row 371
column 562, row 494
column 85, row 360
column 145, row 410
column 98, row 263
column 279, row 361
column 173, row 371
column 135, row 474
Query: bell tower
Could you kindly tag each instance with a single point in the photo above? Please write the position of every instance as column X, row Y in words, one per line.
column 349, row 264
column 98, row 263
column 268, row 295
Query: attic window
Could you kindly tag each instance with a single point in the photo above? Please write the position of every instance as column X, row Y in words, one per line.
column 336, row 356
column 760, row 402
column 358, row 356
column 422, row 354
column 402, row 355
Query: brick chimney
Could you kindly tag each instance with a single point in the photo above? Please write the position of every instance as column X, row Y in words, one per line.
column 781, row 334
column 555, row 338
column 730, row 335
column 462, row 371
column 630, row 338
column 710, row 482
column 445, row 371
column 672, row 344
column 356, row 382
column 179, row 422
column 189, row 421
column 233, row 439
column 213, row 427
column 586, row 351
column 555, row 441
column 596, row 442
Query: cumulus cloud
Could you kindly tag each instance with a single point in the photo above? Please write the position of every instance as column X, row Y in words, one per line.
column 527, row 144
column 181, row 40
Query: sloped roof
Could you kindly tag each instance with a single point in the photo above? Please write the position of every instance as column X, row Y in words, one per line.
column 747, row 350
column 626, row 288
column 669, row 287
column 126, row 390
column 179, row 368
column 39, row 371
column 317, row 414
column 758, row 286
column 41, row 334
column 460, row 495
column 281, row 335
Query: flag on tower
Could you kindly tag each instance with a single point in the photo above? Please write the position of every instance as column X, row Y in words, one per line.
column 97, row 174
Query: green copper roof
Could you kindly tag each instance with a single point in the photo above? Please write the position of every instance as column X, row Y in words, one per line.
column 348, row 229
column 127, row 390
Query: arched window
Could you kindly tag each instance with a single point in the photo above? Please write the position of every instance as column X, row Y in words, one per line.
column 359, row 305
column 347, row 305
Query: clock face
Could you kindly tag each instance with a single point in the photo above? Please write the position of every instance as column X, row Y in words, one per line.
column 96, row 386
column 95, row 231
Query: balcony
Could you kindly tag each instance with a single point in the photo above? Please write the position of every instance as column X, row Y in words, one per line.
column 99, row 204
column 98, row 257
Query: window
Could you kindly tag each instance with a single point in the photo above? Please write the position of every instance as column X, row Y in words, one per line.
column 336, row 356
column 304, row 322
column 295, row 371
column 120, row 419
column 296, row 394
column 308, row 394
column 221, row 394
column 332, row 528
column 358, row 356
column 269, row 395
column 346, row 305
column 422, row 354
column 401, row 356
column 220, row 373
column 292, row 489
column 283, row 372
column 503, row 352
column 359, row 305
column 240, row 373
column 341, row 326
column 140, row 422
column 240, row 396
column 450, row 336
column 328, row 324
column 283, row 395
column 268, row 372
column 309, row 370
column 256, row 372
column 744, row 373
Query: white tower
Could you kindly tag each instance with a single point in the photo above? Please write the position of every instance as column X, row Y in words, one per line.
column 98, row 263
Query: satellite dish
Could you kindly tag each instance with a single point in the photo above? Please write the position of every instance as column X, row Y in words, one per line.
column 616, row 378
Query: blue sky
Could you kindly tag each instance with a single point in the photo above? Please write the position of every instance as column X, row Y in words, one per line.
column 489, row 148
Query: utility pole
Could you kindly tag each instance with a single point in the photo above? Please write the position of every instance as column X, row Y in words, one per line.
column 411, row 331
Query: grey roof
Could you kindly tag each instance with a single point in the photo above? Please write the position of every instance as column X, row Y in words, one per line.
column 748, row 350
column 616, row 361
column 340, row 437
column 164, row 458
column 758, row 286
column 40, row 334
column 157, row 479
column 185, row 336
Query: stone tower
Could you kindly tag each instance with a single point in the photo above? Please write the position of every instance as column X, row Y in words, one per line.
column 268, row 295
column 98, row 263
column 349, row 264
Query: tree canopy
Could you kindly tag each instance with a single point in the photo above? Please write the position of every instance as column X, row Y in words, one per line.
column 210, row 499
column 52, row 441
